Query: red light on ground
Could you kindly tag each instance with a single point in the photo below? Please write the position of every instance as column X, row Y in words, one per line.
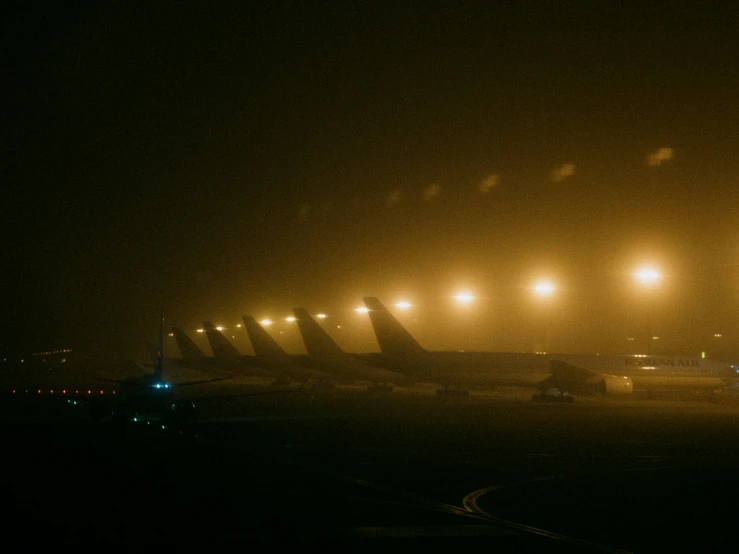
column 89, row 392
column 13, row 392
column 101, row 392
column 76, row 392
column 64, row 391
column 113, row 392
column 52, row 391
column 39, row 391
column 26, row 391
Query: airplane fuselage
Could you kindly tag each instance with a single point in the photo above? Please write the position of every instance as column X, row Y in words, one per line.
column 486, row 369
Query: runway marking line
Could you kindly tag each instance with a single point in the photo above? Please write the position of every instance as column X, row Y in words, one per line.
column 420, row 501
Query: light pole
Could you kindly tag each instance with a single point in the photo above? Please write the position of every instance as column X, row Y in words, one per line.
column 545, row 290
column 648, row 278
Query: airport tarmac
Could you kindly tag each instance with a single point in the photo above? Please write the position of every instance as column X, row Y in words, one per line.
column 377, row 472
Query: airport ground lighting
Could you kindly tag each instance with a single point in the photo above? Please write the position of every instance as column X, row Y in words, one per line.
column 648, row 277
column 361, row 310
column 464, row 297
column 545, row 290
column 403, row 305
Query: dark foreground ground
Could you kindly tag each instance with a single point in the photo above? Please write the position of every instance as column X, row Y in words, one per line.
column 378, row 473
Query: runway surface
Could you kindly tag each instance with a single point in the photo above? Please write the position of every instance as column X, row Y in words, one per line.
column 372, row 472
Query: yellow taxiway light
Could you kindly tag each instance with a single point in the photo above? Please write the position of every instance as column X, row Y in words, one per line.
column 362, row 310
column 290, row 318
column 403, row 305
column 200, row 330
column 220, row 327
column 266, row 322
column 321, row 316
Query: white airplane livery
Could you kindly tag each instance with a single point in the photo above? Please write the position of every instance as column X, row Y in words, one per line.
column 572, row 373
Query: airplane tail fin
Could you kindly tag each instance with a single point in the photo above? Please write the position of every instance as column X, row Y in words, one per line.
column 190, row 351
column 317, row 341
column 393, row 338
column 152, row 351
column 263, row 344
column 222, row 348
column 159, row 364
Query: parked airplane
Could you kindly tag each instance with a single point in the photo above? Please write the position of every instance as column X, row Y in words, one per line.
column 331, row 358
column 272, row 356
column 191, row 353
column 281, row 368
column 562, row 374
column 150, row 397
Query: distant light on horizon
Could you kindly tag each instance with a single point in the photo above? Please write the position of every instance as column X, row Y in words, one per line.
column 220, row 327
column 403, row 305
column 321, row 316
column 238, row 325
column 290, row 318
column 200, row 330
column 266, row 322
column 362, row 310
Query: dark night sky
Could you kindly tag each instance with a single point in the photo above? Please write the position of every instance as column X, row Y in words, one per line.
column 249, row 158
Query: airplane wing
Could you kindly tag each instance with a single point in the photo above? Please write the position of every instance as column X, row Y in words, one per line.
column 253, row 393
column 581, row 380
column 119, row 381
column 200, row 382
column 183, row 384
column 565, row 371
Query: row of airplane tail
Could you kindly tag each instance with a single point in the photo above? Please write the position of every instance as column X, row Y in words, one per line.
column 402, row 361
